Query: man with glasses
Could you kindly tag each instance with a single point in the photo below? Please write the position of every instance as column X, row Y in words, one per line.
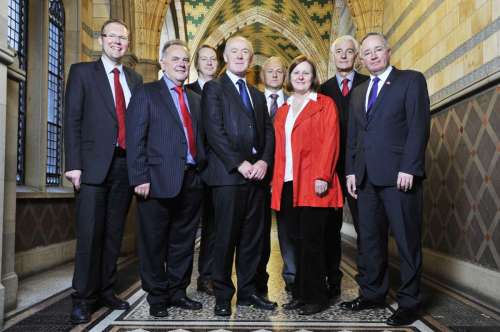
column 385, row 166
column 97, row 95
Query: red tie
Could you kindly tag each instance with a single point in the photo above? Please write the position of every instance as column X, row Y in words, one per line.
column 186, row 119
column 345, row 87
column 120, row 108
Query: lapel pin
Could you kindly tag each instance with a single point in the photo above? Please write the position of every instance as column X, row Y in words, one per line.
column 388, row 83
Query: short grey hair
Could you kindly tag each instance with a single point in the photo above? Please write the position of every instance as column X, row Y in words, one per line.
column 230, row 39
column 345, row 38
column 379, row 34
column 172, row 43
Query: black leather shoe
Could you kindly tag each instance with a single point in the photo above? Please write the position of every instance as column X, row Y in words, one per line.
column 311, row 309
column 223, row 309
column 186, row 303
column 80, row 314
column 292, row 305
column 158, row 310
column 114, row 302
column 402, row 316
column 257, row 302
column 205, row 286
column 361, row 303
column 261, row 291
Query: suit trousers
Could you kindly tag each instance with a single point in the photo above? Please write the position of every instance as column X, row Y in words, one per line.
column 262, row 276
column 205, row 258
column 285, row 229
column 307, row 227
column 239, row 215
column 381, row 208
column 101, row 211
column 167, row 232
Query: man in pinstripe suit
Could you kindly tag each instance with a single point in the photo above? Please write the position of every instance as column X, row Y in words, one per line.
column 165, row 155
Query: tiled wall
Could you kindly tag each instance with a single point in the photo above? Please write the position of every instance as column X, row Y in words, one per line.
column 42, row 222
column 454, row 43
column 462, row 190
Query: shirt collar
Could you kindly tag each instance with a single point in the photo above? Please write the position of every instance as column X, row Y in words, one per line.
column 109, row 66
column 311, row 96
column 268, row 92
column 384, row 75
column 235, row 78
column 349, row 76
column 170, row 84
column 201, row 83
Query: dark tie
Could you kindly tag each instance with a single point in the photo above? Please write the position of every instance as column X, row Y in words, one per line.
column 274, row 105
column 345, row 87
column 186, row 120
column 119, row 108
column 372, row 96
column 245, row 98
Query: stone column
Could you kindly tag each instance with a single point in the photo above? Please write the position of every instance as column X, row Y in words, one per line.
column 8, row 283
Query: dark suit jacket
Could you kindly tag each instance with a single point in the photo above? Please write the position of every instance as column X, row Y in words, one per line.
column 90, row 124
column 395, row 138
column 195, row 87
column 331, row 89
column 230, row 133
column 156, row 143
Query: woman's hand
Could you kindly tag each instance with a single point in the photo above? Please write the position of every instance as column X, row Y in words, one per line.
column 320, row 187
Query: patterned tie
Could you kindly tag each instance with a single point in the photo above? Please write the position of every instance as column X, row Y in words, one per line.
column 119, row 108
column 373, row 96
column 245, row 98
column 186, row 120
column 345, row 87
column 274, row 105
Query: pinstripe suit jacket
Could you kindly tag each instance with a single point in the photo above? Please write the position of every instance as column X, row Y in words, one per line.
column 156, row 143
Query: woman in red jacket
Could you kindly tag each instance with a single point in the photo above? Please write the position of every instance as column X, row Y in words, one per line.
column 305, row 185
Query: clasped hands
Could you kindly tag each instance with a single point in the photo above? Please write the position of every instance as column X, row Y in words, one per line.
column 256, row 171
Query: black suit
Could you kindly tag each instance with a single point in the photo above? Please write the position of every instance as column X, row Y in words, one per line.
column 334, row 248
column 391, row 140
column 90, row 138
column 233, row 136
column 205, row 258
column 157, row 154
column 195, row 87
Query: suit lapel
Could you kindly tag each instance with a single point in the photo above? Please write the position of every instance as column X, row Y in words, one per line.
column 383, row 92
column 256, row 109
column 132, row 84
column 167, row 102
column 312, row 107
column 102, row 82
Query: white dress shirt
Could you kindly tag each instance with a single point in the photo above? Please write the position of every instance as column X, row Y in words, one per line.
column 108, row 67
column 289, row 123
column 235, row 78
column 383, row 79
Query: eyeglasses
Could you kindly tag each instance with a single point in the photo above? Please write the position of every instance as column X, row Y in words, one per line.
column 113, row 36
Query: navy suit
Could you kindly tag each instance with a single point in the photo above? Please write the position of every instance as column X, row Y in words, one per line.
column 195, row 87
column 157, row 154
column 233, row 136
column 392, row 140
column 334, row 249
column 90, row 138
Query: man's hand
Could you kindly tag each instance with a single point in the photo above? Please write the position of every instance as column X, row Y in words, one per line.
column 405, row 181
column 320, row 187
column 245, row 169
column 351, row 185
column 75, row 177
column 259, row 170
column 142, row 190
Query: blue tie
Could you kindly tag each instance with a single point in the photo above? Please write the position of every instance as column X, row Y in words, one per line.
column 245, row 98
column 373, row 96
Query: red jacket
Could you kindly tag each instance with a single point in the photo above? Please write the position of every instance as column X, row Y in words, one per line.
column 315, row 150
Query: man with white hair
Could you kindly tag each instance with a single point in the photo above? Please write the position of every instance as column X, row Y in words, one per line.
column 240, row 148
column 345, row 51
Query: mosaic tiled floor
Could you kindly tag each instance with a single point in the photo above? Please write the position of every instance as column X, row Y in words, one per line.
column 248, row 319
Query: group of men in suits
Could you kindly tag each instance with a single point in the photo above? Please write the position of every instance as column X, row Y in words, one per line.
column 211, row 142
